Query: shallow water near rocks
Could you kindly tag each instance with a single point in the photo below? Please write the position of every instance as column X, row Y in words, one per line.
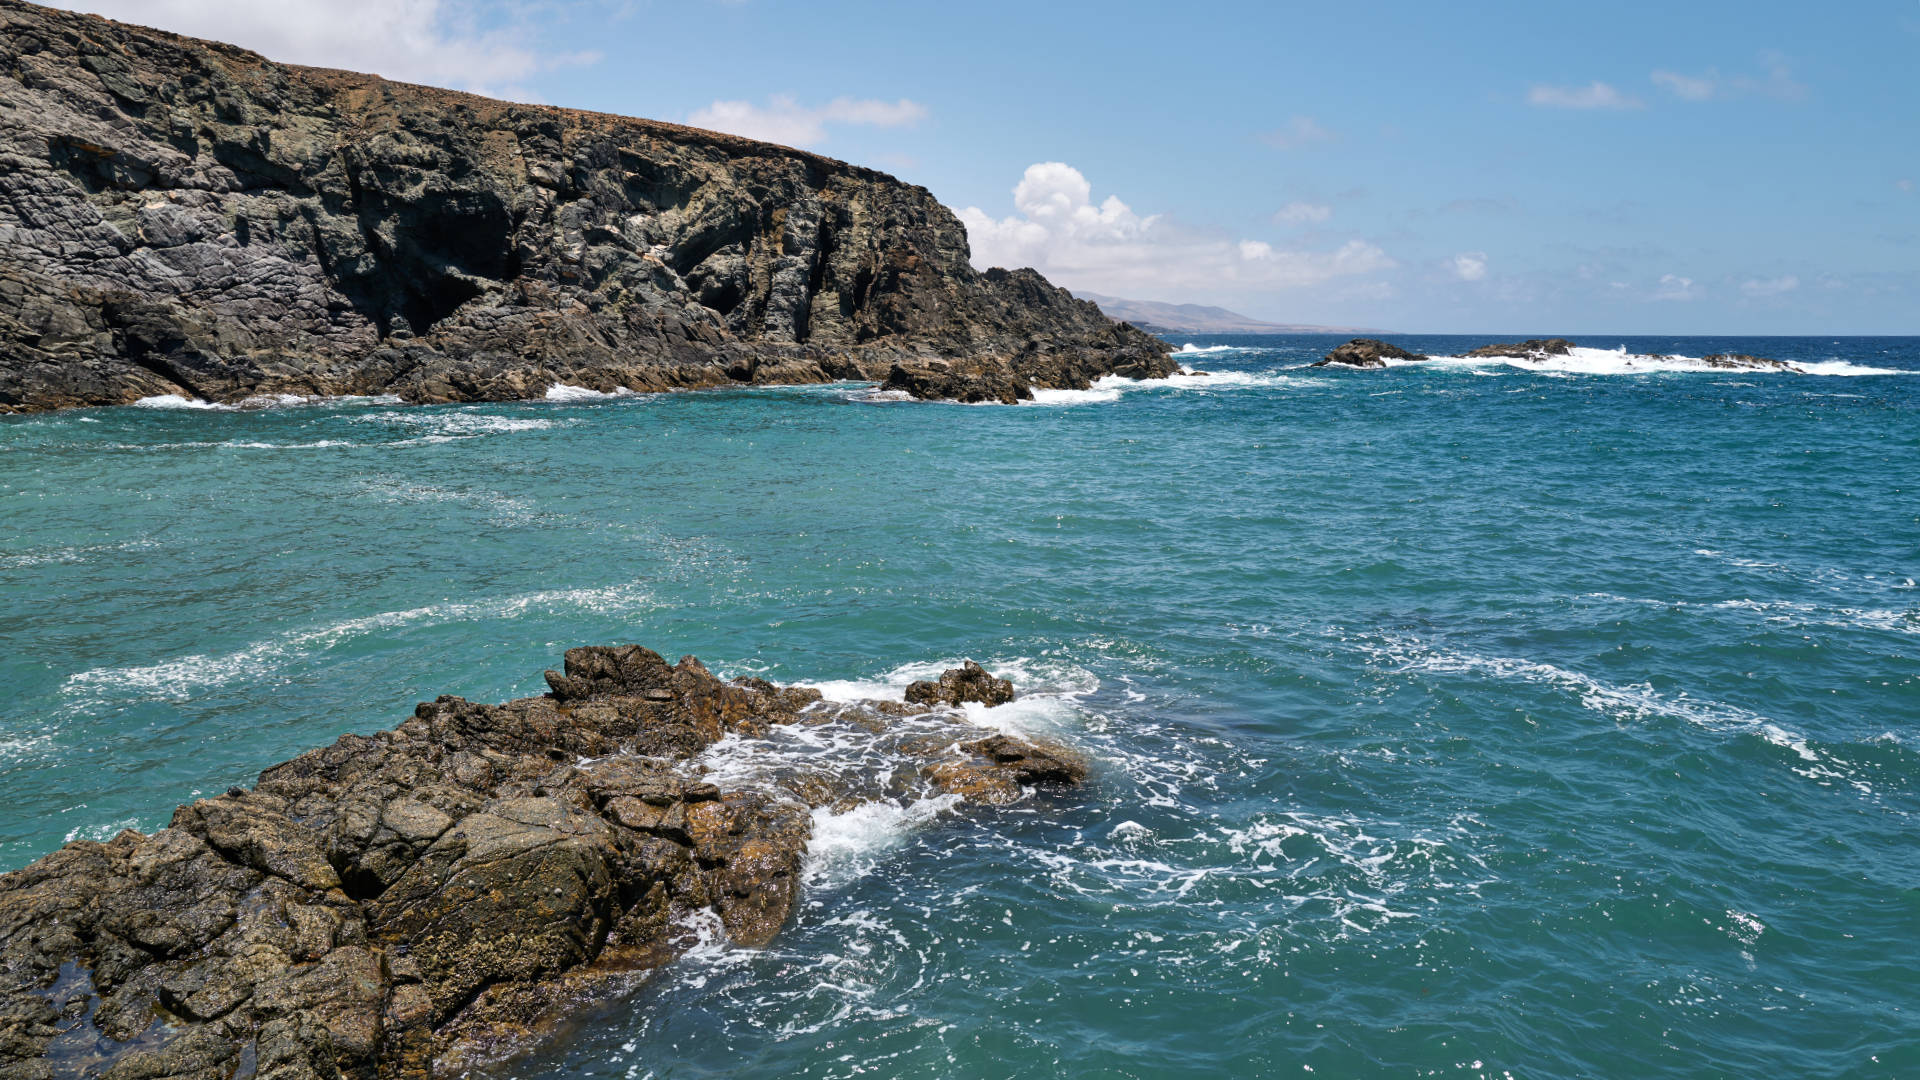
column 1447, row 720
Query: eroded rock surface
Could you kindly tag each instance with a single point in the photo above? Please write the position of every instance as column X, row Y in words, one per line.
column 184, row 217
column 411, row 903
column 1366, row 353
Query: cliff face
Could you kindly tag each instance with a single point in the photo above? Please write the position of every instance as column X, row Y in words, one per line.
column 180, row 216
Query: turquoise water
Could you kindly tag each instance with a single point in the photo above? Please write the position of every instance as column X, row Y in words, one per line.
column 1448, row 721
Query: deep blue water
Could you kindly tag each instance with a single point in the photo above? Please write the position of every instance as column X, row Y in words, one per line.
column 1448, row 720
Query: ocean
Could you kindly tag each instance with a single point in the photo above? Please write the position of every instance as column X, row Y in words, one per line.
column 1458, row 719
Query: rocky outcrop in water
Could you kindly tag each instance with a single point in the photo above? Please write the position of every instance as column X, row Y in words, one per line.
column 416, row 902
column 957, row 686
column 1535, row 349
column 1366, row 353
column 185, row 217
column 1744, row 362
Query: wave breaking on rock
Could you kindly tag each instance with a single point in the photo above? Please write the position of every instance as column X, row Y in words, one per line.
column 427, row 899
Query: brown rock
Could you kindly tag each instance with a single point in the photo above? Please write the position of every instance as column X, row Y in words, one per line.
column 430, row 898
column 970, row 682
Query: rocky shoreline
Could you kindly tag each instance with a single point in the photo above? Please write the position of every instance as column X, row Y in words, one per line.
column 184, row 217
column 426, row 900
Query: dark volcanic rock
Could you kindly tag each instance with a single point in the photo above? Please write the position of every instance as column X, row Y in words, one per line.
column 1366, row 353
column 1530, row 349
column 416, row 902
column 1744, row 362
column 962, row 684
column 184, row 217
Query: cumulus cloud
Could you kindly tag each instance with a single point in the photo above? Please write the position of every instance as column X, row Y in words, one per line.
column 1302, row 213
column 1675, row 287
column 1297, row 134
column 1770, row 286
column 1777, row 82
column 1595, row 95
column 438, row 42
column 784, row 120
column 1469, row 265
column 1106, row 246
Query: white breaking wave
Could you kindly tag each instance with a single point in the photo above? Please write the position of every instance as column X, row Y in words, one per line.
column 1618, row 361
column 176, row 401
column 1191, row 349
column 562, row 392
column 848, row 845
column 261, row 401
column 1111, row 387
column 438, row 426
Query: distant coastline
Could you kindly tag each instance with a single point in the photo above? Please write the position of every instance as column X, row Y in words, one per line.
column 1162, row 319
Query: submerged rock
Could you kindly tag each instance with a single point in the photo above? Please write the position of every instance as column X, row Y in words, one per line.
column 185, row 217
column 1366, row 353
column 1535, row 349
column 413, row 903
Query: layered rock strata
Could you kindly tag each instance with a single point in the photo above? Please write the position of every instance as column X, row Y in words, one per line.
column 184, row 217
column 417, row 902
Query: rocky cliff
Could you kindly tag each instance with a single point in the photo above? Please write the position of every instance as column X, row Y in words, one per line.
column 185, row 217
column 422, row 901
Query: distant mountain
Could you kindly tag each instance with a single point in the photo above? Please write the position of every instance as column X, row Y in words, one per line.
column 1199, row 319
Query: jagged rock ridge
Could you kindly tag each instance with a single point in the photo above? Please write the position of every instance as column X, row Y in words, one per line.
column 181, row 216
column 414, row 903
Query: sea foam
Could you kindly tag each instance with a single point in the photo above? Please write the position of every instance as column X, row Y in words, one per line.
column 1618, row 361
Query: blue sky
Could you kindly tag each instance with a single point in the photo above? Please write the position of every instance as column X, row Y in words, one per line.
column 1659, row 168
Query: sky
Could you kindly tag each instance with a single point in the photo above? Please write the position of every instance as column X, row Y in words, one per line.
column 1664, row 168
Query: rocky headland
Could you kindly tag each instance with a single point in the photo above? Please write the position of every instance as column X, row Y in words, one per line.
column 428, row 899
column 185, row 217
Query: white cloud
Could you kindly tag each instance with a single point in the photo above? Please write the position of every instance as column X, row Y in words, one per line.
column 1770, row 286
column 1778, row 82
column 1689, row 87
column 1596, row 95
column 1903, row 185
column 1301, row 213
column 1675, row 287
column 784, row 120
column 1469, row 265
column 438, row 42
column 1296, row 134
column 1060, row 231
